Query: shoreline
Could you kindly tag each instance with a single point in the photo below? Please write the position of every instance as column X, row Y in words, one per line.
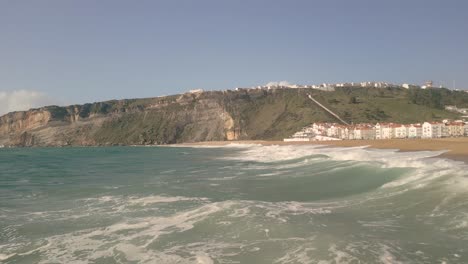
column 456, row 148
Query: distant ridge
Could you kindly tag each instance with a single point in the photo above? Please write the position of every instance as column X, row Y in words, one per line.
column 220, row 115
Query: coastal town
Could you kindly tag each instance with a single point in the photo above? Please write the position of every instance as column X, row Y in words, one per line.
column 331, row 86
column 367, row 131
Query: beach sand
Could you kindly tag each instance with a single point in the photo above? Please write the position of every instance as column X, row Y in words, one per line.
column 457, row 148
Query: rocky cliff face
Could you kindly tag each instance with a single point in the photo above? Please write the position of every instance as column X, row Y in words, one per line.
column 17, row 122
column 172, row 119
column 207, row 116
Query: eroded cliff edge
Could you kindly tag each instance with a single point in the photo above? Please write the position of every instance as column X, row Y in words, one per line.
column 206, row 116
column 172, row 119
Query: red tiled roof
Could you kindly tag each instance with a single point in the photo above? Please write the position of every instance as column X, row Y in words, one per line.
column 455, row 124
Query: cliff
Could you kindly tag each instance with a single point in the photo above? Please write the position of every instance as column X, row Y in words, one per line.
column 217, row 115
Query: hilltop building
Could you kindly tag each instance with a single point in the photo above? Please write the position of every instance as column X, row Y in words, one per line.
column 332, row 86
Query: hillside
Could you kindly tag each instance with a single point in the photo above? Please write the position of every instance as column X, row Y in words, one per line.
column 219, row 115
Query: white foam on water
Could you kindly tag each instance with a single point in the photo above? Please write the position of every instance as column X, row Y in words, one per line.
column 225, row 223
column 386, row 257
column 388, row 223
column 161, row 199
column 386, row 157
column 226, row 178
column 270, row 174
column 132, row 252
column 428, row 166
column 167, row 171
column 211, row 251
column 299, row 254
column 5, row 256
column 462, row 224
column 272, row 153
column 119, row 237
column 297, row 208
column 241, row 212
column 17, row 246
column 230, row 145
column 340, row 256
column 202, row 258
column 279, row 211
column 120, row 204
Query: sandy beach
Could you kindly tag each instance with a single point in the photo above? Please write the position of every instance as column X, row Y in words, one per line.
column 457, row 148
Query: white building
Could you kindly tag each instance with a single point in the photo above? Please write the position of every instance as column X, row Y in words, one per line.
column 196, row 91
column 364, row 131
column 455, row 129
column 432, row 130
column 408, row 86
column 445, row 130
column 400, row 131
column 437, row 129
column 387, row 131
column 343, row 132
column 333, row 131
column 378, row 131
column 303, row 135
column 357, row 133
column 414, row 131
column 350, row 133
column 426, row 129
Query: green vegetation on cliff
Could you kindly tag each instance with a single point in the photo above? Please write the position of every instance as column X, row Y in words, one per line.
column 438, row 98
column 280, row 113
column 224, row 115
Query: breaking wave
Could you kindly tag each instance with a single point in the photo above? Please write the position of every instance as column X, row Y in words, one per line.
column 251, row 204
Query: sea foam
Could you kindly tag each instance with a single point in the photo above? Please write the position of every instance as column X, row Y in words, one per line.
column 428, row 164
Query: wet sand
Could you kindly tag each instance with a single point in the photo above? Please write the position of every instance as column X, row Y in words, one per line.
column 457, row 148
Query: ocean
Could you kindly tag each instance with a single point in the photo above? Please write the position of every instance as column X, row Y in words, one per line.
column 231, row 204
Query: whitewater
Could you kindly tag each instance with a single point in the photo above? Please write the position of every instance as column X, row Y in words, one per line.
column 239, row 203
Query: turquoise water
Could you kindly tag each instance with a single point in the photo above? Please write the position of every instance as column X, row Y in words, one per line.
column 233, row 204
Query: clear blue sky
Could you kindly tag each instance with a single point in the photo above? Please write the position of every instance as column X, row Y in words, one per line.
column 87, row 50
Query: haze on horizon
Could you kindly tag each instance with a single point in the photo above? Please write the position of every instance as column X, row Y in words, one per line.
column 68, row 52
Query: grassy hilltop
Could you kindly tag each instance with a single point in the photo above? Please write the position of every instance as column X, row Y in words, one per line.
column 280, row 113
column 220, row 115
